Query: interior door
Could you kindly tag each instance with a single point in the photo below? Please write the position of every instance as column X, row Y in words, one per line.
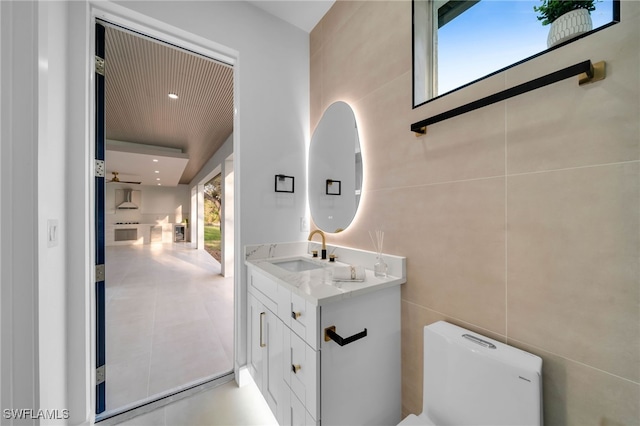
column 99, row 221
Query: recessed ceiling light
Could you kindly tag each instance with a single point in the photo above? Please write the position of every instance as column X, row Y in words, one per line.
column 157, row 171
column 173, row 96
column 155, row 160
column 157, row 178
column 159, row 184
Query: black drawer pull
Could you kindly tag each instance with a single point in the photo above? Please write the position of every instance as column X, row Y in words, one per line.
column 330, row 334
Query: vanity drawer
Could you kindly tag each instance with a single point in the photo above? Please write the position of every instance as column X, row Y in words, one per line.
column 304, row 320
column 264, row 289
column 301, row 371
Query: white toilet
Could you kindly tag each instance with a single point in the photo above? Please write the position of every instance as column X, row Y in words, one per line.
column 470, row 379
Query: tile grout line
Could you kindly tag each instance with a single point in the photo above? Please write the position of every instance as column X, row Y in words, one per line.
column 425, row 185
column 579, row 363
column 524, row 343
column 455, row 318
column 587, row 166
column 506, row 219
column 383, row 86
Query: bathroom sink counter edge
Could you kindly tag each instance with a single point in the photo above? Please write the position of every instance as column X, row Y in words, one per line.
column 317, row 285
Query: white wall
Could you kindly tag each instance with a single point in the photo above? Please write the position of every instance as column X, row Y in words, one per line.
column 52, row 194
column 2, row 60
column 270, row 137
column 228, row 224
column 46, row 125
column 19, row 162
column 34, row 133
column 18, row 205
column 169, row 204
column 158, row 204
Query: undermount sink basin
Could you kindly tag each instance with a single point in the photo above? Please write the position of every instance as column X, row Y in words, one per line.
column 297, row 265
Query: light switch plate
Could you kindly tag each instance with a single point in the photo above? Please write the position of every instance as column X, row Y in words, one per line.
column 53, row 231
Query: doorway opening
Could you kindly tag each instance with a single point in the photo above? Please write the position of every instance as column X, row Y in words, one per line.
column 168, row 308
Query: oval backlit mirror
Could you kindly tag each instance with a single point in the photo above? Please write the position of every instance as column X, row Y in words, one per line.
column 335, row 169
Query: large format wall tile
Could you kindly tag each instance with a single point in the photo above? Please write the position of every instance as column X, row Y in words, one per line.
column 565, row 125
column 474, row 147
column 342, row 13
column 573, row 273
column 557, row 267
column 576, row 394
column 453, row 237
column 315, row 88
column 413, row 320
column 585, row 126
column 353, row 70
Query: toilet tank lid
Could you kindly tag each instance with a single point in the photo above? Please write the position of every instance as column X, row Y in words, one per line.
column 476, row 342
column 496, row 383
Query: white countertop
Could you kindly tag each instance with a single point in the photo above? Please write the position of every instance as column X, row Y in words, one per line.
column 317, row 285
column 142, row 224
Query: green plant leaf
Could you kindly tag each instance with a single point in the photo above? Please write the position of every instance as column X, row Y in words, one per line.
column 550, row 10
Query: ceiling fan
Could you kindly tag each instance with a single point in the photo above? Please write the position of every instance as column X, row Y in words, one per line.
column 115, row 179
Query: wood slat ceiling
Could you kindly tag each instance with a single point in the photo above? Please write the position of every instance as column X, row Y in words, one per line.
column 139, row 75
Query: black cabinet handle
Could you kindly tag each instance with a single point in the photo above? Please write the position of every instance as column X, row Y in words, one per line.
column 330, row 334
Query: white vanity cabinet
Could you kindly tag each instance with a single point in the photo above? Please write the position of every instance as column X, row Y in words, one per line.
column 265, row 352
column 319, row 381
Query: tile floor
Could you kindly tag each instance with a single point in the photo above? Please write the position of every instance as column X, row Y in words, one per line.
column 228, row 405
column 169, row 320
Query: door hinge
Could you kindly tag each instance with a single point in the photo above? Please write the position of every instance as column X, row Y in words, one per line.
column 100, row 65
column 99, row 168
column 100, row 375
column 100, row 275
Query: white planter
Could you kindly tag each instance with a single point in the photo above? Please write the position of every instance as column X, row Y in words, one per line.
column 568, row 26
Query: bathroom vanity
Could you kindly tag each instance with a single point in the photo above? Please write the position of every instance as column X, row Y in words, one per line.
column 298, row 317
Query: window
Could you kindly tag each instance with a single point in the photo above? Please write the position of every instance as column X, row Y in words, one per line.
column 474, row 38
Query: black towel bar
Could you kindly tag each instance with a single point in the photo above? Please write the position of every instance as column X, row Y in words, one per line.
column 330, row 334
column 592, row 72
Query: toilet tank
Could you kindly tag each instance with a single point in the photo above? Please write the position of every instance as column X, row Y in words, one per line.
column 470, row 379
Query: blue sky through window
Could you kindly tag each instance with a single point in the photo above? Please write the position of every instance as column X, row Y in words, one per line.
column 494, row 34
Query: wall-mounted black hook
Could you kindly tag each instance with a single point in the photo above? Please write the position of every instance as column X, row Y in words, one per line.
column 285, row 183
column 333, row 187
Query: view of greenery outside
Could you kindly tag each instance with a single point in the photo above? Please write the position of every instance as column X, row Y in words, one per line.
column 212, row 203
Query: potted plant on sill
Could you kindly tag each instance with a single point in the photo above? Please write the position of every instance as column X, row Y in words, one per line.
column 568, row 18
